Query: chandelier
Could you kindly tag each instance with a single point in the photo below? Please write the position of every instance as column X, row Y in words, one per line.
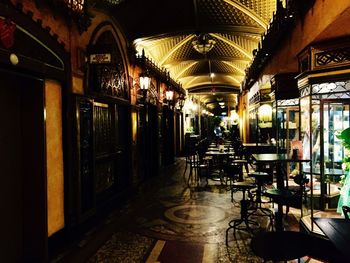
column 203, row 43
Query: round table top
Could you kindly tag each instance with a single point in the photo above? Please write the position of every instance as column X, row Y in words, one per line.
column 278, row 246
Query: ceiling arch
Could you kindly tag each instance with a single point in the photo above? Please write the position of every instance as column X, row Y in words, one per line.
column 165, row 31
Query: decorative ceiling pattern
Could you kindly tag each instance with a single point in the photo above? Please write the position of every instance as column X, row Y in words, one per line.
column 167, row 32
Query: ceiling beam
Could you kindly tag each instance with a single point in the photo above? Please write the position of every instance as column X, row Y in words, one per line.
column 234, row 67
column 175, row 48
column 217, row 76
column 214, row 59
column 185, row 68
column 207, row 89
column 232, row 44
column 193, row 79
column 240, row 30
column 234, row 79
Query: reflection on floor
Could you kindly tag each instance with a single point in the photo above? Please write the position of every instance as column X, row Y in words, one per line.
column 168, row 221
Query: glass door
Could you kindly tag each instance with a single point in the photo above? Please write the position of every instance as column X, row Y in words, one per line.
column 335, row 118
column 321, row 121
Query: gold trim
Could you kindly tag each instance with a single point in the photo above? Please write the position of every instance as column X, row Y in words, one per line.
column 99, row 104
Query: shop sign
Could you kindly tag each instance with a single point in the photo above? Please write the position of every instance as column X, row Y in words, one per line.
column 100, row 58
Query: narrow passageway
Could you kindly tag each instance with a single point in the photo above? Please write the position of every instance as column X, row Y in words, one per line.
column 168, row 221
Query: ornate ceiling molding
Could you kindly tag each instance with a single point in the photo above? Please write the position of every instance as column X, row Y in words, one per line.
column 175, row 48
column 185, row 69
column 232, row 44
column 249, row 12
column 234, row 67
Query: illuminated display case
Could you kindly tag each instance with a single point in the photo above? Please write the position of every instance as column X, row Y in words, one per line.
column 285, row 95
column 324, row 86
column 324, row 113
column 287, row 123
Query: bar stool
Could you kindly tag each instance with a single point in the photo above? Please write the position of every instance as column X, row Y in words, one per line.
column 280, row 246
column 261, row 178
column 283, row 197
column 233, row 172
column 244, row 219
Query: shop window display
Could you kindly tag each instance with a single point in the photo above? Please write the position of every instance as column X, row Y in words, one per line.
column 324, row 114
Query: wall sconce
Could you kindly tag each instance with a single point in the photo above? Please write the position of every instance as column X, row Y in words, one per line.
column 181, row 101
column 265, row 113
column 169, row 95
column 145, row 83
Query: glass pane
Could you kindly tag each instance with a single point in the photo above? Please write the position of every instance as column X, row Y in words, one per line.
column 336, row 119
column 305, row 126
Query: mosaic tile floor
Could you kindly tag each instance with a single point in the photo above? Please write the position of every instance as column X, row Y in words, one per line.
column 168, row 221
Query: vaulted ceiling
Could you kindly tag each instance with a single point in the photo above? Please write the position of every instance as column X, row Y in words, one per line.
column 166, row 29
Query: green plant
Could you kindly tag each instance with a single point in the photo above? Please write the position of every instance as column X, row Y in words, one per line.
column 344, row 198
column 344, row 136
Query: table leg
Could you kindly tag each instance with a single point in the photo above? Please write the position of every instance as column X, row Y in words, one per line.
column 280, row 175
column 279, row 218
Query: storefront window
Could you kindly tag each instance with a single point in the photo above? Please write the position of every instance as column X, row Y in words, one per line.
column 324, row 113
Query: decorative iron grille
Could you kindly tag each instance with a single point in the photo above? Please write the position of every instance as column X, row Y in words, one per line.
column 289, row 102
column 333, row 57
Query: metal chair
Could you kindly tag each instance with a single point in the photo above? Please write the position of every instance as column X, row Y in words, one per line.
column 242, row 223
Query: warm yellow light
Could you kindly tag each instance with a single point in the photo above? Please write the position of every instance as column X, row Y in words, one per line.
column 234, row 116
column 75, row 5
column 203, row 43
column 169, row 94
column 194, row 107
column 265, row 113
column 145, row 82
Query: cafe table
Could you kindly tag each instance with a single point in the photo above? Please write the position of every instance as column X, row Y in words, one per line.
column 338, row 232
column 279, row 161
column 219, row 157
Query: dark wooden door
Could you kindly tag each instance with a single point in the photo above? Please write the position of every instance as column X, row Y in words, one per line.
column 152, row 141
column 112, row 150
column 168, row 136
column 23, row 192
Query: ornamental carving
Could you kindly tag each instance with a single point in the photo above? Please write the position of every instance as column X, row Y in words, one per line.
column 111, row 80
column 108, row 74
column 326, row 55
column 333, row 57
